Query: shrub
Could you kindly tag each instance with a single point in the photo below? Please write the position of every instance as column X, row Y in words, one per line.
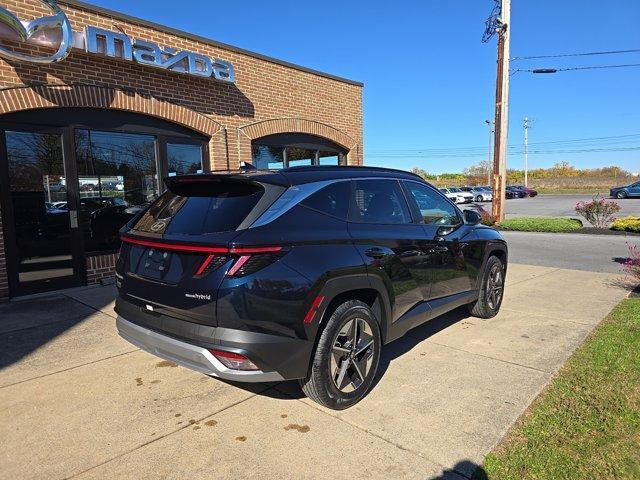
column 632, row 265
column 599, row 212
column 487, row 219
column 628, row 224
column 541, row 224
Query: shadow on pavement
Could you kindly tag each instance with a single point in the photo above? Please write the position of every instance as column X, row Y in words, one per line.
column 389, row 353
column 463, row 469
column 29, row 324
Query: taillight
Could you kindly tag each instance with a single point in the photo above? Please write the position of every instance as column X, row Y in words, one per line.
column 233, row 360
column 252, row 259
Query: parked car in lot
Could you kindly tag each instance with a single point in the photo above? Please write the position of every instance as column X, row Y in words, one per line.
column 529, row 192
column 516, row 192
column 454, row 197
column 480, row 194
column 463, row 197
column 627, row 191
column 303, row 273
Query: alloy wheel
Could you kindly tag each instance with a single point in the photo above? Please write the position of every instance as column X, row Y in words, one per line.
column 351, row 355
column 495, row 287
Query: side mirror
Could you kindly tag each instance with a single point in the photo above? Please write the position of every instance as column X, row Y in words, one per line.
column 471, row 217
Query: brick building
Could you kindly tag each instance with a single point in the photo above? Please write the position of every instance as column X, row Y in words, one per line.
column 97, row 107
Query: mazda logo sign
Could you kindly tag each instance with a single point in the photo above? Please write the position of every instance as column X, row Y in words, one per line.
column 26, row 30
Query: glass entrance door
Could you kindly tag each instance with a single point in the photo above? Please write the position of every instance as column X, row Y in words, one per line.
column 40, row 239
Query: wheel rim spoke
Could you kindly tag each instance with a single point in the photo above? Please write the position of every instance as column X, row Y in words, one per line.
column 351, row 355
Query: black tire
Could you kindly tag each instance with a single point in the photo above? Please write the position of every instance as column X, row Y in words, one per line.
column 621, row 195
column 491, row 290
column 335, row 348
column 479, row 198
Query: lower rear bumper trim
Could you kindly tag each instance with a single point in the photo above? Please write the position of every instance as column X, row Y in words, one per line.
column 188, row 355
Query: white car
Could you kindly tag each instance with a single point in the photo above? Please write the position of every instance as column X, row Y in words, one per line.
column 463, row 197
column 480, row 194
column 454, row 197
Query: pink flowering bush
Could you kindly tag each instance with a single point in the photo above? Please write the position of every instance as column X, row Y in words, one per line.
column 599, row 211
column 632, row 265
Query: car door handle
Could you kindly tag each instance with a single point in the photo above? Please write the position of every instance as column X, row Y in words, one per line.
column 439, row 249
column 375, row 252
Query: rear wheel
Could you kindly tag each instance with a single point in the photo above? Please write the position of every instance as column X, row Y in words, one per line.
column 479, row 198
column 621, row 194
column 346, row 358
column 491, row 290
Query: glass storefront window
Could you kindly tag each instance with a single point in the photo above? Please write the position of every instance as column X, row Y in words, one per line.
column 117, row 177
column 38, row 193
column 295, row 150
column 328, row 158
column 300, row 157
column 184, row 158
column 265, row 157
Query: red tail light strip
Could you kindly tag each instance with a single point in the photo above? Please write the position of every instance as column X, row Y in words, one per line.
column 174, row 247
column 205, row 263
column 188, row 248
column 312, row 310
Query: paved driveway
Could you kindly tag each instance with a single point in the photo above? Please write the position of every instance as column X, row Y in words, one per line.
column 562, row 206
column 77, row 401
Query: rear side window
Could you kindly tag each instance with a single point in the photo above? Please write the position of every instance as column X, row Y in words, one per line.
column 200, row 208
column 332, row 200
column 379, row 201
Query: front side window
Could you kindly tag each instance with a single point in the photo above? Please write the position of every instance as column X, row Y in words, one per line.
column 379, row 201
column 434, row 209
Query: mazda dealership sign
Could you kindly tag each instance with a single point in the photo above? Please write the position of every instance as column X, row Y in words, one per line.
column 56, row 32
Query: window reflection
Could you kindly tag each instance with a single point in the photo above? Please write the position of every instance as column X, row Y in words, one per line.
column 117, row 178
column 184, row 158
column 265, row 157
column 37, row 186
column 300, row 157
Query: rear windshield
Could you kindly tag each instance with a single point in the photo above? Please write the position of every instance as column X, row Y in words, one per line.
column 200, row 208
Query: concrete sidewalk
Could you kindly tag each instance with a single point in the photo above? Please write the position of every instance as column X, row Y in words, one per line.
column 77, row 401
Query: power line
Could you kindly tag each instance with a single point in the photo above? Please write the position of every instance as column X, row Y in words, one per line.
column 554, row 70
column 611, row 52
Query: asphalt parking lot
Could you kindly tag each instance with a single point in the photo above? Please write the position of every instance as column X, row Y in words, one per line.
column 79, row 402
column 560, row 206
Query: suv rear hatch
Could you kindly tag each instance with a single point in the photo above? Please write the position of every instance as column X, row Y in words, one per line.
column 175, row 255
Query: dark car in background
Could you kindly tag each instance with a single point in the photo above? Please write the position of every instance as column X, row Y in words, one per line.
column 529, row 192
column 627, row 191
column 516, row 192
column 302, row 273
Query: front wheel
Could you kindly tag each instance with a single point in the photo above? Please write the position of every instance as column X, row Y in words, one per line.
column 479, row 198
column 346, row 358
column 491, row 290
column 621, row 195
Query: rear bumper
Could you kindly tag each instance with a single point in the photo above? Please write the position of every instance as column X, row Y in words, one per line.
column 186, row 354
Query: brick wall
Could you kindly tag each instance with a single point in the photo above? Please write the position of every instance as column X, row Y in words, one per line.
column 100, row 266
column 268, row 97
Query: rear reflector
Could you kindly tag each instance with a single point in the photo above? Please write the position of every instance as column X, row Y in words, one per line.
column 312, row 310
column 238, row 265
column 233, row 360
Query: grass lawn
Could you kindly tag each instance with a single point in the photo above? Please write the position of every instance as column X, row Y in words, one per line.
column 541, row 224
column 586, row 424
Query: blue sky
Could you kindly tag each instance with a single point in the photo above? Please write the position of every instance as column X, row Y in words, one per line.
column 429, row 81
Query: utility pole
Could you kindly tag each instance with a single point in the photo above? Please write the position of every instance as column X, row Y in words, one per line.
column 489, row 162
column 502, row 113
column 527, row 126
